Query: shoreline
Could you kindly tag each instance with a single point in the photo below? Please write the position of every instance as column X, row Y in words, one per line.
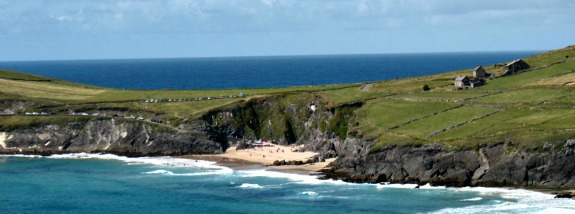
column 313, row 170
column 250, row 159
column 264, row 157
column 306, row 169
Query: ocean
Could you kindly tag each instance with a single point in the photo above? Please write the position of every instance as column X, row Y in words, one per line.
column 103, row 183
column 257, row 72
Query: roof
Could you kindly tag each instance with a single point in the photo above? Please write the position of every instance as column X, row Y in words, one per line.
column 513, row 62
column 478, row 67
column 460, row 78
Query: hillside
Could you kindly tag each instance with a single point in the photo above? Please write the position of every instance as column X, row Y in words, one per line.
column 533, row 107
column 530, row 112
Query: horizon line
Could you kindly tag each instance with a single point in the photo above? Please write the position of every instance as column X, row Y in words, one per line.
column 271, row 56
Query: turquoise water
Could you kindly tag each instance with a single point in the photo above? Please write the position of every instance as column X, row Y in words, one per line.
column 257, row 72
column 83, row 183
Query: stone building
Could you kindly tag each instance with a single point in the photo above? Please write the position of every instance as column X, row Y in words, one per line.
column 479, row 72
column 461, row 82
column 514, row 67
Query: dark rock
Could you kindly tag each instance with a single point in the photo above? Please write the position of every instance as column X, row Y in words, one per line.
column 244, row 145
column 107, row 136
column 564, row 195
column 489, row 166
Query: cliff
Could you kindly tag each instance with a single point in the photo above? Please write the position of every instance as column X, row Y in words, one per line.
column 106, row 136
column 490, row 165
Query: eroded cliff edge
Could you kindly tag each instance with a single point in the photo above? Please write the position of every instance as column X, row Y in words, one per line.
column 307, row 119
column 129, row 138
column 490, row 165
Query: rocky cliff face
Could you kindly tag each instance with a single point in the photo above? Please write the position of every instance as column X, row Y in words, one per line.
column 493, row 165
column 110, row 136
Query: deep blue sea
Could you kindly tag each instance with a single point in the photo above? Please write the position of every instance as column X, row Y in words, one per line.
column 82, row 183
column 256, row 72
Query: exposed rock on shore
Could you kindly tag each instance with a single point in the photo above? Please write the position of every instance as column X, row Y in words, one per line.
column 490, row 165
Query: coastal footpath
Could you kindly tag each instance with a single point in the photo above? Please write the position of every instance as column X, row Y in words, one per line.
column 514, row 131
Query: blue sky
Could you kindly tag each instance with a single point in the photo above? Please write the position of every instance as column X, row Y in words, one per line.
column 107, row 29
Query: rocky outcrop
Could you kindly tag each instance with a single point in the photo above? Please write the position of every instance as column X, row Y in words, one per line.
column 490, row 165
column 14, row 106
column 109, row 136
column 297, row 122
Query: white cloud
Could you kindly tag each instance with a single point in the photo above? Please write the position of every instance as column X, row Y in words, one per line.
column 75, row 17
column 285, row 15
column 306, row 21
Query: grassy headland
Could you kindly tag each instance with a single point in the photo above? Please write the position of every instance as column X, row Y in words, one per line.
column 530, row 108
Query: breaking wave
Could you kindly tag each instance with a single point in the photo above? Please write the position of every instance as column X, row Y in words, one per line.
column 310, row 193
column 158, row 161
column 250, row 186
column 473, row 199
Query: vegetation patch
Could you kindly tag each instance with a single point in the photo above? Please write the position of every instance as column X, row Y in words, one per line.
column 10, row 123
column 339, row 124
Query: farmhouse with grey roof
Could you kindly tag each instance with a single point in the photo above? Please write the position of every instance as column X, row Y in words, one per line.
column 479, row 72
column 461, row 82
column 514, row 67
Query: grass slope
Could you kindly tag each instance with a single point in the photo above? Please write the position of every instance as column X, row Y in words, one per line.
column 528, row 109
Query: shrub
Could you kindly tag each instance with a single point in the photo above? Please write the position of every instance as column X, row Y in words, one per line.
column 426, row 87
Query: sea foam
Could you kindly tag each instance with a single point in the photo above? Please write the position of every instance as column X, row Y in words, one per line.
column 20, row 156
column 250, row 186
column 160, row 171
column 519, row 201
column 310, row 193
column 296, row 178
column 208, row 167
column 473, row 199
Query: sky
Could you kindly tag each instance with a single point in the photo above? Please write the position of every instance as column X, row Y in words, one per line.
column 122, row 29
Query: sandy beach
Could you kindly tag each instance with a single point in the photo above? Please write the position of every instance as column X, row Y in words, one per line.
column 265, row 157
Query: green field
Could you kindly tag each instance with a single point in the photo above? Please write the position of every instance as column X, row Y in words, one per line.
column 530, row 108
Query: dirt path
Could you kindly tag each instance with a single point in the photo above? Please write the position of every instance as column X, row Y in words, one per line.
column 366, row 87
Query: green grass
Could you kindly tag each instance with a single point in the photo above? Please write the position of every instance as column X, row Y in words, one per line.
column 441, row 95
column 526, row 96
column 5, row 74
column 382, row 115
column 535, row 107
column 350, row 94
column 185, row 109
column 551, row 57
column 387, row 114
column 523, row 126
column 530, row 77
column 22, row 122
column 483, row 128
column 422, row 128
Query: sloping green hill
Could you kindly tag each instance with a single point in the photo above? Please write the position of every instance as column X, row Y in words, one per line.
column 529, row 108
